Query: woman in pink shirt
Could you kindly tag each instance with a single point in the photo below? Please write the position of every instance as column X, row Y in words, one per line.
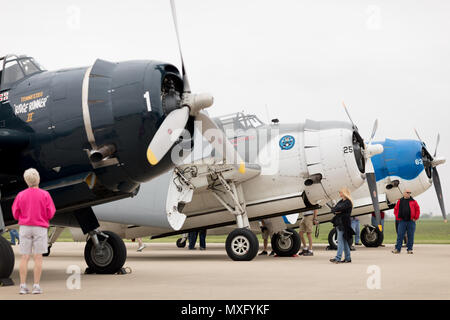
column 33, row 208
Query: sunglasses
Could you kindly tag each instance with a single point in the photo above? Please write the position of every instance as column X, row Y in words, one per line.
column 408, row 192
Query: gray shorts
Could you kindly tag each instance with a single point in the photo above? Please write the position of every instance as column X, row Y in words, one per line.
column 33, row 240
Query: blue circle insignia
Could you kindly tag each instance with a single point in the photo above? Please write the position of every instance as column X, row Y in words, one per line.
column 287, row 142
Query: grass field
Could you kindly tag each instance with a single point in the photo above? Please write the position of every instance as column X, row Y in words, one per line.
column 428, row 231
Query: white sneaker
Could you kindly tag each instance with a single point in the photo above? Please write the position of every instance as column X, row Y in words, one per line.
column 36, row 289
column 24, row 289
column 141, row 248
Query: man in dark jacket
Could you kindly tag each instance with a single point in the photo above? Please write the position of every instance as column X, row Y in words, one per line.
column 407, row 212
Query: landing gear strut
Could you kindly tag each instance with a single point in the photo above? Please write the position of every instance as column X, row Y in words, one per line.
column 241, row 244
column 105, row 252
column 52, row 239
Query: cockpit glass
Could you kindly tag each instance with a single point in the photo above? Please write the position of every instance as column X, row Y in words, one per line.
column 2, row 60
column 12, row 72
column 28, row 66
column 255, row 122
column 37, row 64
column 16, row 68
column 233, row 124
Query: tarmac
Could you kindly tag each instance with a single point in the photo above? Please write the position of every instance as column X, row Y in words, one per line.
column 163, row 271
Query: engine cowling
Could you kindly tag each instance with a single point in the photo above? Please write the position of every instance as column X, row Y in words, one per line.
column 334, row 159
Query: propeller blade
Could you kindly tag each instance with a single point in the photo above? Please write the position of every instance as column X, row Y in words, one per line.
column 369, row 151
column 187, row 88
column 437, row 143
column 417, row 134
column 438, row 188
column 372, row 184
column 167, row 134
column 348, row 114
column 219, row 141
column 374, row 130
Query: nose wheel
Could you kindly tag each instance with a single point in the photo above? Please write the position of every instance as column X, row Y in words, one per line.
column 242, row 245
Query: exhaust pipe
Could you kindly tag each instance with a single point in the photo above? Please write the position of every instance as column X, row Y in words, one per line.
column 102, row 153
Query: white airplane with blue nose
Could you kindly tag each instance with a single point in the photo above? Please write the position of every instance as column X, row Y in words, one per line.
column 404, row 164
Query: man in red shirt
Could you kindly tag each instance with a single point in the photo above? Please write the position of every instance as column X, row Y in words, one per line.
column 407, row 212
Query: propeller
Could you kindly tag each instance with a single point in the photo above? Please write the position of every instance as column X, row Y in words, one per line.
column 368, row 151
column 190, row 105
column 430, row 163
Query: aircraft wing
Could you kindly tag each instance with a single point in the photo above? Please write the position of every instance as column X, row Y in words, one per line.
column 200, row 173
column 361, row 207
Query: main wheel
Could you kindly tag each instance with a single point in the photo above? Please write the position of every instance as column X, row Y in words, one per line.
column 286, row 246
column 110, row 259
column 371, row 237
column 181, row 243
column 7, row 258
column 242, row 245
column 332, row 239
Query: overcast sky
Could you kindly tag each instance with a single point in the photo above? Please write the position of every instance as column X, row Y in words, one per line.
column 386, row 59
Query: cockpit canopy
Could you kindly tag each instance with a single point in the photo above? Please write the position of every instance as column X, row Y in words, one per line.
column 232, row 124
column 14, row 68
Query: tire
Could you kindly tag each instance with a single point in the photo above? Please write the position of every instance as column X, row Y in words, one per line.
column 286, row 248
column 113, row 259
column 332, row 239
column 242, row 245
column 181, row 243
column 7, row 258
column 371, row 239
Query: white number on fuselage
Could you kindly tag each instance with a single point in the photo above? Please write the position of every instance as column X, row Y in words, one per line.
column 147, row 99
column 348, row 149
